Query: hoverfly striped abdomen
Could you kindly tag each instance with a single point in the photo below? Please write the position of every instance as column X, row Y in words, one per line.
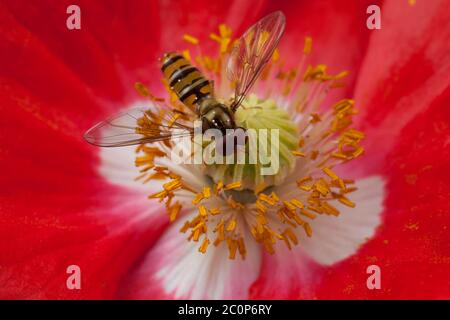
column 245, row 63
column 185, row 80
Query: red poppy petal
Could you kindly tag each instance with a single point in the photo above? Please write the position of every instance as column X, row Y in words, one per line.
column 39, row 243
column 406, row 67
column 56, row 211
column 412, row 245
column 292, row 274
column 93, row 70
column 57, row 84
column 174, row 269
column 412, row 248
column 338, row 31
column 111, row 39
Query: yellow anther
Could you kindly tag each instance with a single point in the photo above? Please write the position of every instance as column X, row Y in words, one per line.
column 297, row 203
column 224, row 30
column 160, row 195
column 315, row 73
column 304, row 180
column 234, row 185
column 224, row 43
column 234, row 204
column 185, row 227
column 274, row 196
column 267, row 199
column 349, row 190
column 276, row 55
column 196, row 234
column 174, row 118
column 241, row 248
column 261, row 219
column 298, row 220
column 174, row 211
column 322, row 187
column 261, row 207
column 301, row 142
column 198, row 197
column 206, row 192
column 291, row 236
column 354, row 134
column 339, row 155
column 232, row 248
column 307, row 214
column 308, row 229
column 314, row 154
column 289, row 206
column 345, row 201
column 215, row 37
column 329, row 209
column 172, row 185
column 343, row 105
column 268, row 245
column 315, row 118
column 190, row 39
column 341, row 75
column 204, row 246
column 231, row 225
column 219, row 226
column 218, row 187
column 187, row 54
column 202, row 211
column 359, row 151
column 214, row 211
column 330, row 173
column 307, row 45
column 142, row 89
column 315, row 209
column 298, row 153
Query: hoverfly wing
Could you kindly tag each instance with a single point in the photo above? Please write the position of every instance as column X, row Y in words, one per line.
column 118, row 130
column 138, row 126
column 251, row 53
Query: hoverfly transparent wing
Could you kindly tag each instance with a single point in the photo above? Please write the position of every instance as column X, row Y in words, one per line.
column 137, row 126
column 251, row 53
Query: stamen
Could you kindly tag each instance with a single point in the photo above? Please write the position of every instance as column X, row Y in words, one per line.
column 202, row 211
column 307, row 46
column 234, row 185
column 313, row 141
column 204, row 246
column 174, row 211
column 298, row 154
column 191, row 39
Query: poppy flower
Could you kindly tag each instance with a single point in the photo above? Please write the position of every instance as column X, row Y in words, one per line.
column 364, row 162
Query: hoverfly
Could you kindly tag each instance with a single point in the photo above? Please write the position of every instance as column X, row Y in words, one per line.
column 160, row 123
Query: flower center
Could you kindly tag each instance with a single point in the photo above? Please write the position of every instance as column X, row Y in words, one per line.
column 267, row 155
column 224, row 202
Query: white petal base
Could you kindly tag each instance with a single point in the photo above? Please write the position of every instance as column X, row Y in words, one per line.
column 187, row 273
column 336, row 238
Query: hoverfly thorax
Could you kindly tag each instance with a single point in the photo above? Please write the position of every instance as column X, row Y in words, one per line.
column 215, row 115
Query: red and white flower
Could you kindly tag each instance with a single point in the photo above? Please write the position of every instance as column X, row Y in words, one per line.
column 65, row 202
